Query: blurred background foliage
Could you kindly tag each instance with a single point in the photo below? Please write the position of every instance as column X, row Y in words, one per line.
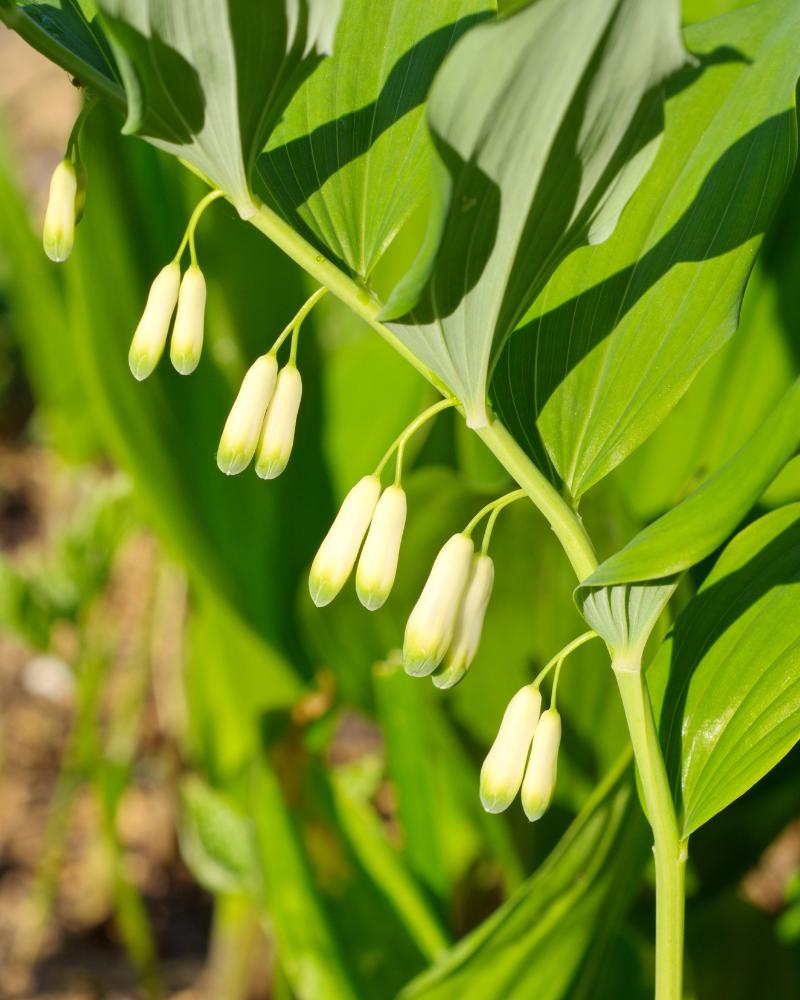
column 262, row 803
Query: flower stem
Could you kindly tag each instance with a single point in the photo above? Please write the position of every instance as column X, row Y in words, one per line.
column 399, row 442
column 194, row 218
column 669, row 850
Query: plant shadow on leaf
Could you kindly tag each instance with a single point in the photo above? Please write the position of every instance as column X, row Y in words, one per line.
column 713, row 612
column 538, row 353
column 329, row 147
column 187, row 113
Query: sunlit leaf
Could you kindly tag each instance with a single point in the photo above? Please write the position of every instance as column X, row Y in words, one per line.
column 731, row 671
column 351, row 156
column 545, row 122
column 622, row 329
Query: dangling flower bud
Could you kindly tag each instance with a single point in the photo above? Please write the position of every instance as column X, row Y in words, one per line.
column 150, row 337
column 58, row 234
column 469, row 625
column 540, row 776
column 502, row 771
column 243, row 426
column 431, row 623
column 378, row 563
column 277, row 436
column 187, row 333
column 336, row 557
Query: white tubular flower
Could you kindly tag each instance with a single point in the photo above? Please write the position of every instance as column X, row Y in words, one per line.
column 378, row 563
column 187, row 333
column 540, row 776
column 336, row 557
column 469, row 625
column 430, row 626
column 58, row 234
column 150, row 337
column 243, row 426
column 502, row 771
column 277, row 437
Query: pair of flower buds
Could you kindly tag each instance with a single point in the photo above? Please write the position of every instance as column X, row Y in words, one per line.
column 168, row 291
column 444, row 629
column 64, row 209
column 524, row 756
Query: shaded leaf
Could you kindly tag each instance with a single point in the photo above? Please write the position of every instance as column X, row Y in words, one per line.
column 534, row 945
column 545, row 122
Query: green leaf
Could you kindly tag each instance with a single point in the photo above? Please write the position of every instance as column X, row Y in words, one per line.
column 217, row 840
column 545, row 122
column 535, row 944
column 624, row 614
column 306, row 946
column 730, row 671
column 207, row 80
column 351, row 156
column 622, row 329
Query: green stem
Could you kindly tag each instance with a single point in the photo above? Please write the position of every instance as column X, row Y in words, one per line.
column 408, row 431
column 568, row 528
column 493, row 508
column 194, row 218
column 669, row 850
column 294, row 324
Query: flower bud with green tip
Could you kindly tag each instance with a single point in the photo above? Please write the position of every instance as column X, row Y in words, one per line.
column 150, row 337
column 502, row 771
column 58, row 234
column 430, row 626
column 377, row 566
column 540, row 775
column 277, row 435
column 467, row 635
column 337, row 555
column 186, row 343
column 242, row 428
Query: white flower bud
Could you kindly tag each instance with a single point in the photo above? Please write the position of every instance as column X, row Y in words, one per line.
column 58, row 234
column 502, row 771
column 150, row 337
column 187, row 333
column 336, row 557
column 540, row 776
column 243, row 426
column 430, row 626
column 378, row 563
column 277, row 436
column 469, row 625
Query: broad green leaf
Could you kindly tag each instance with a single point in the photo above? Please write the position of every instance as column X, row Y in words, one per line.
column 624, row 614
column 217, row 840
column 545, row 122
column 535, row 944
column 621, row 330
column 351, row 156
column 734, row 392
column 731, row 670
column 207, row 80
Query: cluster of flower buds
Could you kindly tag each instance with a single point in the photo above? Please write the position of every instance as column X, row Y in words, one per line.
column 444, row 628
column 366, row 512
column 64, row 209
column 523, row 756
column 262, row 420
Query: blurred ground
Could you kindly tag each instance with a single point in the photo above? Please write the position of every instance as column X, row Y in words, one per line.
column 58, row 938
